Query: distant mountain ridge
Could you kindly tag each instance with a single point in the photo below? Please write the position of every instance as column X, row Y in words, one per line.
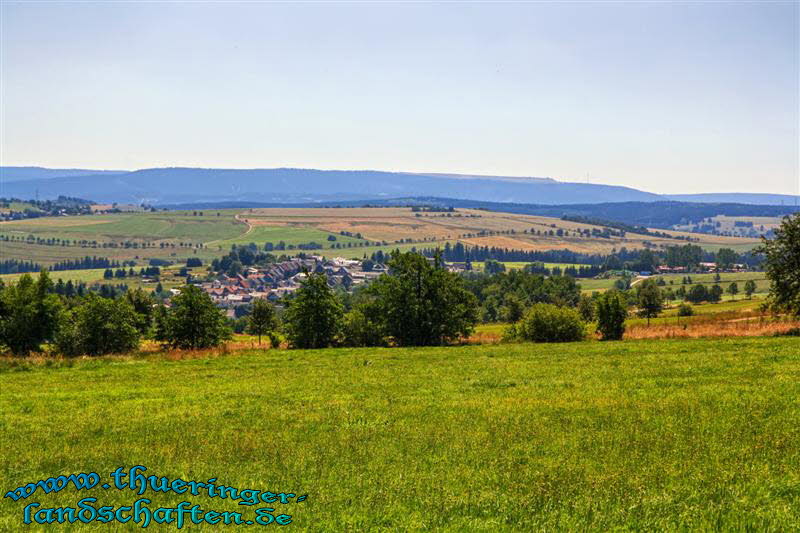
column 8, row 174
column 175, row 185
column 737, row 197
column 662, row 214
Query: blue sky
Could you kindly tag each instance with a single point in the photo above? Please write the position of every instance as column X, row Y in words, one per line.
column 665, row 97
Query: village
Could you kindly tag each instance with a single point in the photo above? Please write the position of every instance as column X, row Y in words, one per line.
column 277, row 280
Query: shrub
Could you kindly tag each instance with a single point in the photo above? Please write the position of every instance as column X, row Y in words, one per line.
column 612, row 310
column 685, row 310
column 359, row 330
column 586, row 308
column 100, row 326
column 274, row 340
column 549, row 323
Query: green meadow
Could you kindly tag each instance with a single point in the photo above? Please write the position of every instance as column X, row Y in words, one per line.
column 260, row 235
column 145, row 226
column 633, row 435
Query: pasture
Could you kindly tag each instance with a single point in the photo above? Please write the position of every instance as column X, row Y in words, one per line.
column 208, row 234
column 674, row 435
column 396, row 225
column 674, row 281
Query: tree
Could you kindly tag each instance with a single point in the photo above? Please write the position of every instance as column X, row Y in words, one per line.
column 193, row 321
column 733, row 289
column 612, row 310
column 142, row 304
column 99, row 326
column 262, row 320
column 782, row 265
column 314, row 317
column 359, row 329
column 490, row 266
column 749, row 288
column 512, row 309
column 586, row 307
column 725, row 258
column 29, row 314
column 422, row 304
column 649, row 299
column 698, row 293
column 715, row 293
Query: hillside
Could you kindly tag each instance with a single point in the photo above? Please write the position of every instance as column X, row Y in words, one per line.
column 737, row 197
column 662, row 214
column 177, row 185
column 632, row 435
column 9, row 174
column 349, row 232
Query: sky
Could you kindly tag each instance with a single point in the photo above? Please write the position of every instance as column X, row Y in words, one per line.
column 667, row 97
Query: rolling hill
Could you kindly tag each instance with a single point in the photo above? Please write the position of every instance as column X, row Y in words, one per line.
column 9, row 174
column 738, row 198
column 174, row 185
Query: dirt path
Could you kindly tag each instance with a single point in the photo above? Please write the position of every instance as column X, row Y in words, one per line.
column 246, row 222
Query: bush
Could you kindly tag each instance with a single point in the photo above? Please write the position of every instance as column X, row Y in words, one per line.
column 612, row 310
column 549, row 323
column 359, row 330
column 100, row 326
column 274, row 340
column 586, row 308
column 685, row 310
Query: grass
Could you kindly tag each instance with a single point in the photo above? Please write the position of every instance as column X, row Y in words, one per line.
column 143, row 226
column 726, row 278
column 219, row 229
column 88, row 275
column 673, row 435
column 290, row 235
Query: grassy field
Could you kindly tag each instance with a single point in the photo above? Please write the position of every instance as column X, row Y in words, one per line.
column 217, row 230
column 169, row 277
column 674, row 435
column 728, row 318
column 290, row 235
column 674, row 281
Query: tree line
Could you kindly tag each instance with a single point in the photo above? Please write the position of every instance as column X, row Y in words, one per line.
column 417, row 303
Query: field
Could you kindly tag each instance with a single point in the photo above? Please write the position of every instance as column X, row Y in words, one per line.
column 169, row 277
column 675, row 435
column 180, row 234
column 746, row 226
column 674, row 281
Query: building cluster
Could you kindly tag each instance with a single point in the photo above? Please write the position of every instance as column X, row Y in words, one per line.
column 277, row 280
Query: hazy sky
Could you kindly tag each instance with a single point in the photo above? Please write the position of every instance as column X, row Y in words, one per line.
column 665, row 97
